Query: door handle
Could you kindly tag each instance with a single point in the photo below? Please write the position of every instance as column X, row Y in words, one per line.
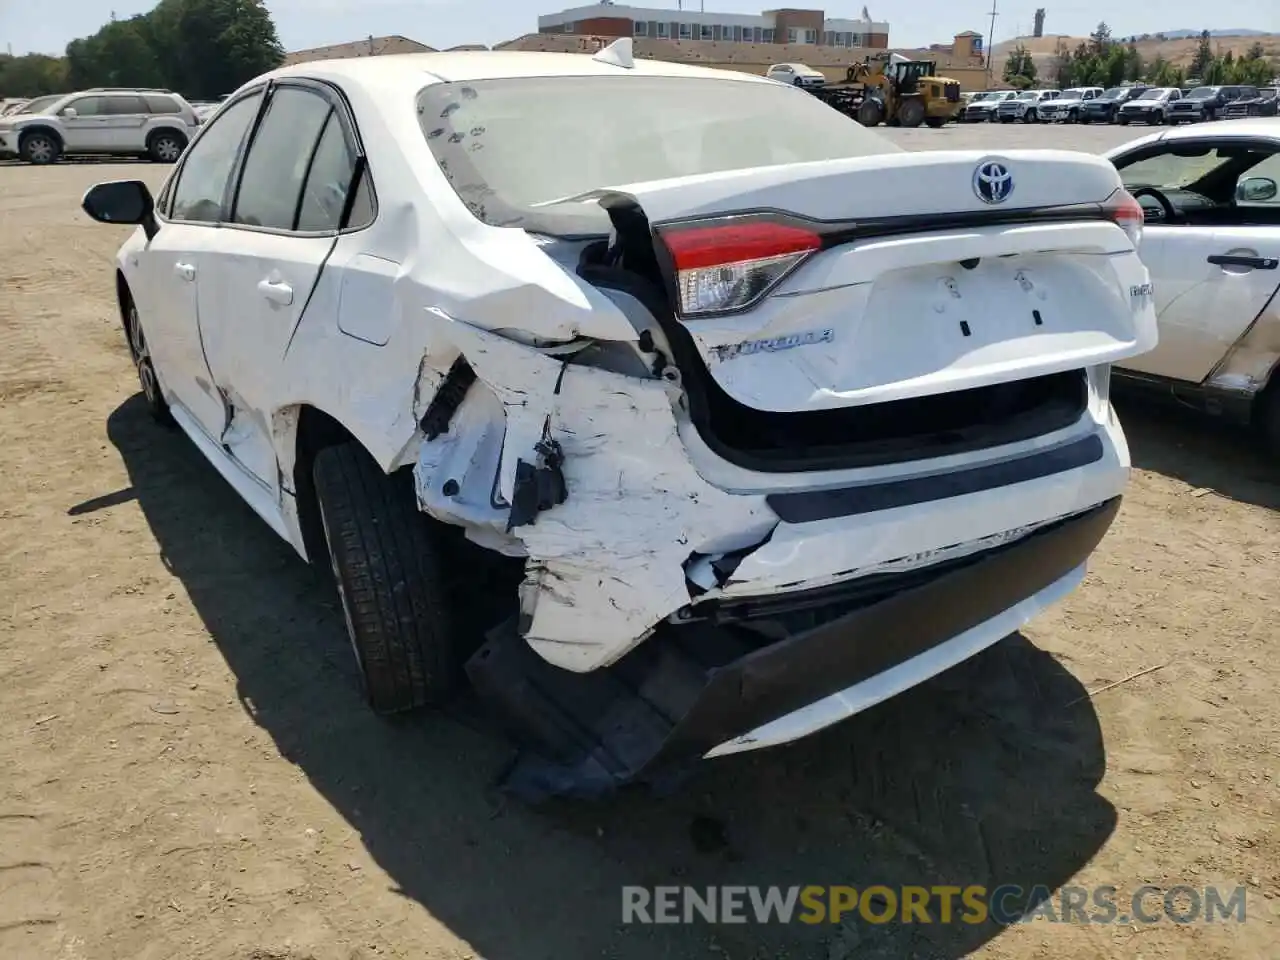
column 280, row 292
column 1231, row 260
column 185, row 270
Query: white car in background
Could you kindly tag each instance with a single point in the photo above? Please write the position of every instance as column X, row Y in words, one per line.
column 1211, row 193
column 1024, row 107
column 737, row 417
column 982, row 107
column 1068, row 106
column 102, row 121
column 797, row 74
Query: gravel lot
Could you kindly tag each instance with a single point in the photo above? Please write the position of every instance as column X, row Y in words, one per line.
column 186, row 769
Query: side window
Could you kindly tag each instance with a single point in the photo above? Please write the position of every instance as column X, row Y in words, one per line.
column 123, row 105
column 202, row 182
column 157, row 104
column 87, row 107
column 325, row 192
column 274, row 170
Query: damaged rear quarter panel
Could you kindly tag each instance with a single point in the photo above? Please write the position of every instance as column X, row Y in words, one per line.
column 607, row 564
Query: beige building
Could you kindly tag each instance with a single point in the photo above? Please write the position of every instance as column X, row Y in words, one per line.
column 961, row 60
column 372, row 47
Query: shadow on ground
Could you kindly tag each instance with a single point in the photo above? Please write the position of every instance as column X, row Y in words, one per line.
column 1205, row 452
column 986, row 775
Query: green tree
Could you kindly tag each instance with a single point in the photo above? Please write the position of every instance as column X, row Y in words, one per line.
column 201, row 48
column 1134, row 68
column 33, row 75
column 210, row 47
column 1060, row 65
column 1100, row 39
column 1020, row 65
column 1204, row 55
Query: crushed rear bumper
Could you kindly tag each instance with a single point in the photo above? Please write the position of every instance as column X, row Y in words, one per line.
column 692, row 688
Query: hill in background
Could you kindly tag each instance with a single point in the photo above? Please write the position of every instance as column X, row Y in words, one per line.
column 1179, row 51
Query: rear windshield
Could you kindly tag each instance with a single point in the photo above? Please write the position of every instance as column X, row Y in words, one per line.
column 1200, row 92
column 509, row 145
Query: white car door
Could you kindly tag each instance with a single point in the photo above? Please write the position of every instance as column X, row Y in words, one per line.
column 174, row 265
column 283, row 228
column 121, row 126
column 1217, row 265
column 84, row 128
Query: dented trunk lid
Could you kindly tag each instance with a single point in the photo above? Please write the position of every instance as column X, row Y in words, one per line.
column 929, row 282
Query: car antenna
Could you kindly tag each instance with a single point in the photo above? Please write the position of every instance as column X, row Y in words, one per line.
column 617, row 54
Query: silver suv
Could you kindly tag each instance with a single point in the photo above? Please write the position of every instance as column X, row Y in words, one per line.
column 118, row 122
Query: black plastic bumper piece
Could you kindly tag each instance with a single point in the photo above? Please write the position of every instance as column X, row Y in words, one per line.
column 688, row 689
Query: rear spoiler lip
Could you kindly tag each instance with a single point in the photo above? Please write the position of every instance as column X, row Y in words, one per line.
column 836, row 232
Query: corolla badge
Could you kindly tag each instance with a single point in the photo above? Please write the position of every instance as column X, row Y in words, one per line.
column 992, row 182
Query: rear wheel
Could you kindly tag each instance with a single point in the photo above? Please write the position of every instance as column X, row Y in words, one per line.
column 388, row 568
column 911, row 112
column 166, row 146
column 40, row 148
column 1268, row 419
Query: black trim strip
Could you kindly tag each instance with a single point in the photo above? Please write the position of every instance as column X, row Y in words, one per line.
column 814, row 505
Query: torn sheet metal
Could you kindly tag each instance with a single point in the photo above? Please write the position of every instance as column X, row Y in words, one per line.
column 607, row 563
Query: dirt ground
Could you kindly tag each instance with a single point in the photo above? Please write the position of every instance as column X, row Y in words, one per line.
column 187, row 771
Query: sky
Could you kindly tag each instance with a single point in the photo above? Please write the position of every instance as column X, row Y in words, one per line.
column 27, row 26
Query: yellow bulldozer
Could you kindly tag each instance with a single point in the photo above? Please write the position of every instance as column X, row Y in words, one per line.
column 895, row 91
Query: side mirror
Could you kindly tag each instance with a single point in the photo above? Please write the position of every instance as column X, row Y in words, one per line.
column 122, row 202
column 69, row 113
column 1256, row 190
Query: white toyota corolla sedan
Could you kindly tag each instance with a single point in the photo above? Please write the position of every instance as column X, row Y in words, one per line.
column 1212, row 243
column 766, row 418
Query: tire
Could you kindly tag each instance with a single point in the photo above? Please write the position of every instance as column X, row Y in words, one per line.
column 1157, row 119
column 869, row 113
column 145, row 367
column 911, row 112
column 1268, row 419
column 1031, row 117
column 1073, row 117
column 936, row 122
column 388, row 569
column 165, row 146
column 40, row 148
column 1123, row 121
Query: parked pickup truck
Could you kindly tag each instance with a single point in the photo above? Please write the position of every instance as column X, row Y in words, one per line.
column 1025, row 106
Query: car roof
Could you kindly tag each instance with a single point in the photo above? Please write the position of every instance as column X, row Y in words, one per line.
column 410, row 69
column 1246, row 128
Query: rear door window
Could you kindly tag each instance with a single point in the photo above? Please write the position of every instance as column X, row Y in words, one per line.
column 119, row 105
column 157, row 104
column 276, row 167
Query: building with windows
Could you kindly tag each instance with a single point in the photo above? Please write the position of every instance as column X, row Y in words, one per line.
column 786, row 26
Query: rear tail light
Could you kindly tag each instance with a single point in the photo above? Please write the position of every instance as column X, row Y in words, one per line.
column 730, row 265
column 1128, row 214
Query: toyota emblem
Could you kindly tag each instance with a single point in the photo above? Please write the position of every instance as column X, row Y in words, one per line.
column 992, row 182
